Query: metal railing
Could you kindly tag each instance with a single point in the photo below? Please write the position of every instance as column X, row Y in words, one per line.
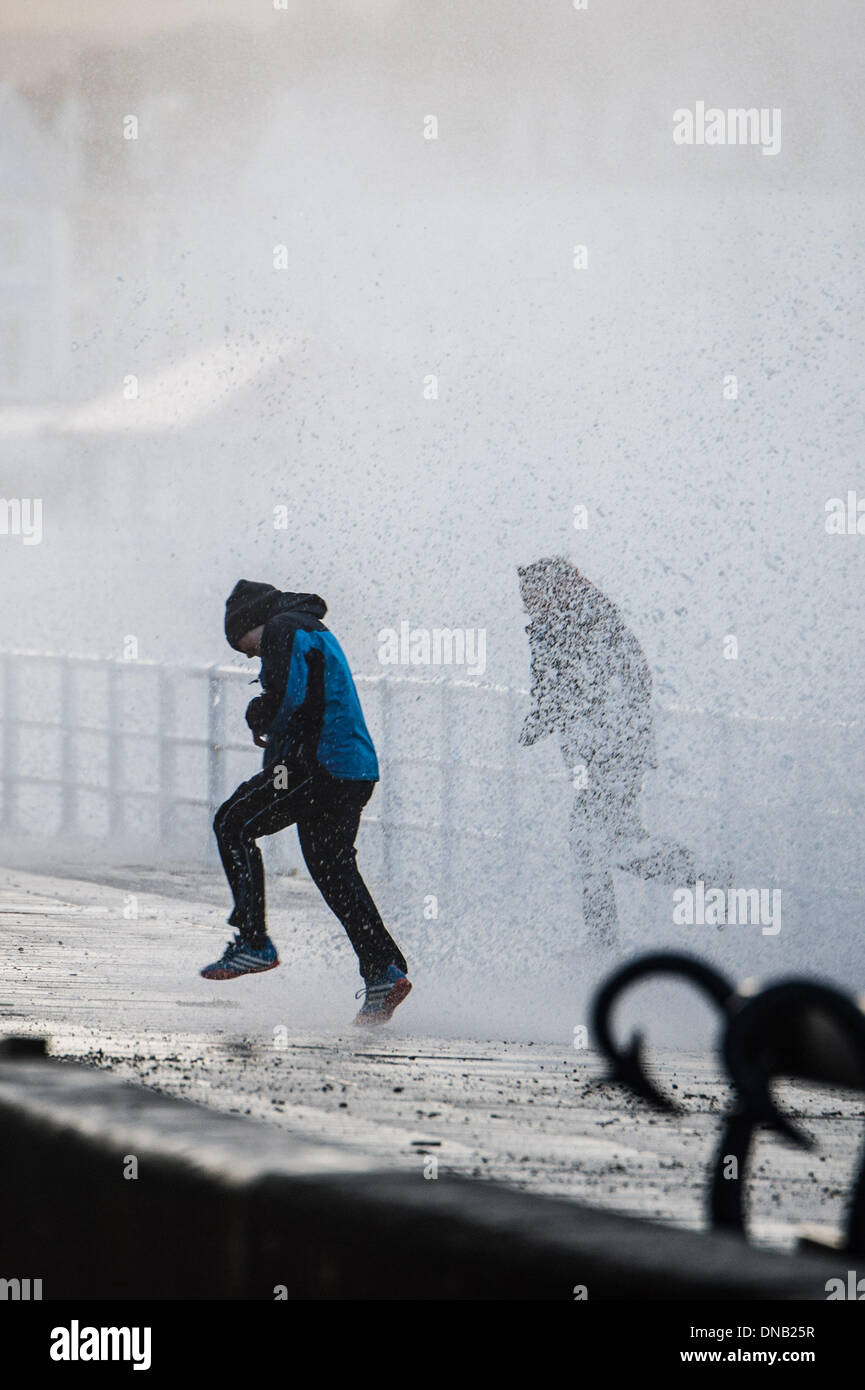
column 141, row 753
column 63, row 797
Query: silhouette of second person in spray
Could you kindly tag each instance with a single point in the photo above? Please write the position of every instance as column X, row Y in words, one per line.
column 591, row 684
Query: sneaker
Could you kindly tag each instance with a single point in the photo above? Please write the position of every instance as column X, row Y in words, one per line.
column 239, row 958
column 382, row 997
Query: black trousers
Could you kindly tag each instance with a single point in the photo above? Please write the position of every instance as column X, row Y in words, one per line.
column 326, row 811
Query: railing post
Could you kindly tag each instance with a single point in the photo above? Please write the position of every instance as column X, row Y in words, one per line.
column 215, row 750
column 116, row 803
column 446, row 836
column 513, row 828
column 10, row 743
column 387, row 771
column 167, row 759
column 68, row 720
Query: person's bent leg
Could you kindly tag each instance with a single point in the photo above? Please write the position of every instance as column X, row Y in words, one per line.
column 327, row 834
column 236, row 862
column 590, row 839
column 599, row 908
column 265, row 804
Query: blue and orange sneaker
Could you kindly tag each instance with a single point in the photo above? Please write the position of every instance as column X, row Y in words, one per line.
column 239, row 958
column 382, row 996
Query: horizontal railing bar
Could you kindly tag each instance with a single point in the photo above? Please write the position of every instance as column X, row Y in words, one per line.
column 823, row 812
column 432, row 682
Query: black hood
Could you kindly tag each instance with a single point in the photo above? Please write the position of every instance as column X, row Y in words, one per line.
column 565, row 589
column 250, row 604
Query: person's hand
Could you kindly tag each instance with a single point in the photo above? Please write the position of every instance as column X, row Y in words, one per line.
column 259, row 713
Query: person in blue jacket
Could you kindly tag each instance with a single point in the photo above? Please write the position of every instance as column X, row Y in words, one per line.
column 320, row 769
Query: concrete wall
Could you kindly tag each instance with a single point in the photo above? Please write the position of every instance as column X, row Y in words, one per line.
column 224, row 1208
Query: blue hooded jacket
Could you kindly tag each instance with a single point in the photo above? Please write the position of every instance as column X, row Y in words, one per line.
column 309, row 709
